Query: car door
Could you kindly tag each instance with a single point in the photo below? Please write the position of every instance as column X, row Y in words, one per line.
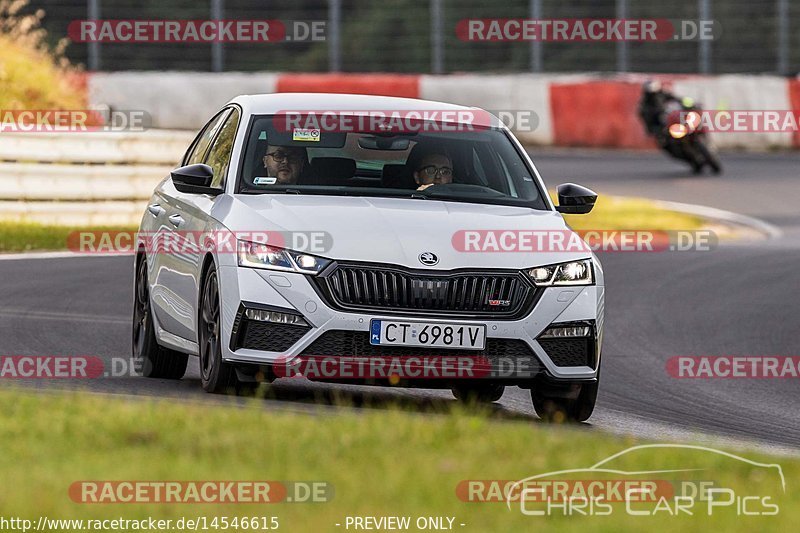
column 192, row 220
column 172, row 265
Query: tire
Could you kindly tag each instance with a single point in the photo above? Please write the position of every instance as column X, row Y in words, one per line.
column 556, row 408
column 710, row 157
column 482, row 393
column 150, row 359
column 216, row 376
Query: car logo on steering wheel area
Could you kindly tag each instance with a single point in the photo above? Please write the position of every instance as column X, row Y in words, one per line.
column 428, row 258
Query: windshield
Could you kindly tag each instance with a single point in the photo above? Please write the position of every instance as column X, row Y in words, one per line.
column 428, row 161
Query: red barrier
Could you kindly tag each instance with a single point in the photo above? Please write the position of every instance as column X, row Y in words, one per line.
column 406, row 85
column 794, row 99
column 599, row 114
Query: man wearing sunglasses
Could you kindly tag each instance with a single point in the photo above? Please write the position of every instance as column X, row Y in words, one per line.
column 433, row 169
column 285, row 163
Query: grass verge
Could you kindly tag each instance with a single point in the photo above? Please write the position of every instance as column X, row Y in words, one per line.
column 29, row 236
column 385, row 462
column 618, row 213
column 610, row 213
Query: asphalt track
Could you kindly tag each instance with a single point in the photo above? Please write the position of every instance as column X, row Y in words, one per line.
column 739, row 299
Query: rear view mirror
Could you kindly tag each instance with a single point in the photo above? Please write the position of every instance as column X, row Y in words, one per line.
column 383, row 143
column 575, row 199
column 195, row 179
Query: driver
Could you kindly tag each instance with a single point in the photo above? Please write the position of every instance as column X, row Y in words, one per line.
column 285, row 163
column 433, row 168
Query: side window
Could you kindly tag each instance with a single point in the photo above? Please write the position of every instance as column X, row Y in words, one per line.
column 198, row 151
column 219, row 157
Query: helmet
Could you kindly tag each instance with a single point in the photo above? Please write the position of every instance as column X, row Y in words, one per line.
column 651, row 86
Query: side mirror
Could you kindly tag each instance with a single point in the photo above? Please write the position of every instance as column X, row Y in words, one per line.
column 575, row 199
column 195, row 179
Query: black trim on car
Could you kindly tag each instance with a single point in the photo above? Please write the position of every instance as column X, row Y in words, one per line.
column 239, row 332
column 528, row 299
column 572, row 351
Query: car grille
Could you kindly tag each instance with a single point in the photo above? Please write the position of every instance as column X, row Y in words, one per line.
column 570, row 352
column 392, row 289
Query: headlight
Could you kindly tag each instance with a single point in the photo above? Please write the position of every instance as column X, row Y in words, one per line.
column 256, row 255
column 572, row 273
column 678, row 131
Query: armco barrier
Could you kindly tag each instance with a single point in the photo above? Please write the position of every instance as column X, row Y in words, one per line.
column 740, row 93
column 375, row 84
column 105, row 178
column 84, row 178
column 597, row 113
column 175, row 100
column 572, row 110
column 149, row 147
column 508, row 93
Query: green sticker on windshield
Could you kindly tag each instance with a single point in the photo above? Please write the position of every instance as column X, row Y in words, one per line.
column 263, row 136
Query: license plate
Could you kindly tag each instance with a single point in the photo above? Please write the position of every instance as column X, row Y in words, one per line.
column 425, row 334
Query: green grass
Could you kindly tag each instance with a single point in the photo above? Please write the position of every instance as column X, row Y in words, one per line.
column 616, row 213
column 380, row 462
column 610, row 213
column 28, row 236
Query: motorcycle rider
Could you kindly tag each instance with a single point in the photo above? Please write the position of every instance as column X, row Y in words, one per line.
column 654, row 111
column 651, row 109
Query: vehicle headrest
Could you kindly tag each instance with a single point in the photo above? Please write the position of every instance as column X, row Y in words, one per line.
column 397, row 177
column 331, row 170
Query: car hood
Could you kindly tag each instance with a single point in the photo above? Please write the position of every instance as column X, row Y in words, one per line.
column 397, row 230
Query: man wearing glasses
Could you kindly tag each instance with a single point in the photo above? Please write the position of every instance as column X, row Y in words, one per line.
column 285, row 163
column 431, row 168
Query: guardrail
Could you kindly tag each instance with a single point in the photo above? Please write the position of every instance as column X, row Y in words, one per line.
column 81, row 178
column 571, row 109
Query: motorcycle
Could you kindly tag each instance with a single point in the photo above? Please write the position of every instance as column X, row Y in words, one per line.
column 685, row 138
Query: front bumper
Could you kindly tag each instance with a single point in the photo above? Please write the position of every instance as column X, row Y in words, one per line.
column 294, row 293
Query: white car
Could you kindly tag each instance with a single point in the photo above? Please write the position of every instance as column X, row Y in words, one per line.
column 371, row 240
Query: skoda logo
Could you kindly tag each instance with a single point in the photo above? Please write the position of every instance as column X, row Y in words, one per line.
column 428, row 258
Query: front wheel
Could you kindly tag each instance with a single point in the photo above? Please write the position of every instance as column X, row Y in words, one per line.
column 216, row 375
column 710, row 156
column 556, row 405
column 150, row 359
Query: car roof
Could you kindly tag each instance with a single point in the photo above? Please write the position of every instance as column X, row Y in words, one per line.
column 268, row 104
